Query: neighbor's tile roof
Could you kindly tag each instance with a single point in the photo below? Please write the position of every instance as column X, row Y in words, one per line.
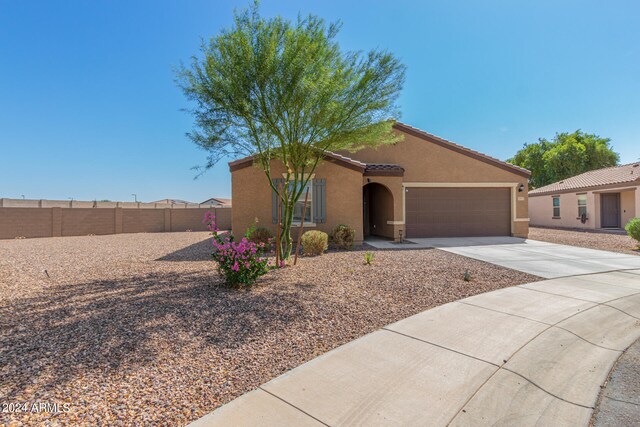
column 174, row 202
column 629, row 173
column 219, row 200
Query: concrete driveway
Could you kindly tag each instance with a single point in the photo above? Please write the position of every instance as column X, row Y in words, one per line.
column 548, row 260
column 529, row 355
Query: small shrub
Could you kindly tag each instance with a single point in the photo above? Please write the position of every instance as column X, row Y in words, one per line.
column 260, row 235
column 368, row 257
column 240, row 263
column 466, row 276
column 314, row 242
column 633, row 229
column 343, row 236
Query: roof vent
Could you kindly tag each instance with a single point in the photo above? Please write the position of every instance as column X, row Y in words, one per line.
column 561, row 182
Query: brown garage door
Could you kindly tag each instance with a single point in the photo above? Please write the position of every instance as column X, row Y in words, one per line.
column 457, row 212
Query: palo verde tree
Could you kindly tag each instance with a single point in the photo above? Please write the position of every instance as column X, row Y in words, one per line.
column 284, row 91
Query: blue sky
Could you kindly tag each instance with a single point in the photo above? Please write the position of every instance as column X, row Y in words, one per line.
column 89, row 108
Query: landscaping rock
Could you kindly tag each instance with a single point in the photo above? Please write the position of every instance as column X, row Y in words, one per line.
column 134, row 329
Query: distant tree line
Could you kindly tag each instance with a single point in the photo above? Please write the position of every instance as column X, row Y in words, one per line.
column 566, row 155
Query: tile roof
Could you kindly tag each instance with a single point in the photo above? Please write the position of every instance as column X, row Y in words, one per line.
column 174, row 202
column 328, row 155
column 219, row 200
column 460, row 149
column 629, row 173
column 337, row 156
column 383, row 166
column 383, row 169
column 357, row 165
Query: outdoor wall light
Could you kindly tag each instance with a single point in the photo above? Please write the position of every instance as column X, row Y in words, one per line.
column 520, row 188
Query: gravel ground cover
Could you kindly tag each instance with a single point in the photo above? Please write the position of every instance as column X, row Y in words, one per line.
column 133, row 329
column 586, row 239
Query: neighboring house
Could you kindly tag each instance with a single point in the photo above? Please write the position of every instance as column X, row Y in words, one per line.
column 218, row 202
column 174, row 202
column 423, row 186
column 603, row 198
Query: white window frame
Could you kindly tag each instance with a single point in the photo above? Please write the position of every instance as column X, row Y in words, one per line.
column 554, row 207
column 297, row 223
column 582, row 197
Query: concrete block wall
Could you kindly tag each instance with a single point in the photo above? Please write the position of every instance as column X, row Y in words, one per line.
column 26, row 222
column 84, row 221
column 28, row 219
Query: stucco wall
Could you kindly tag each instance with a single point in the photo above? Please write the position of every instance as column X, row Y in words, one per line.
column 541, row 209
column 251, row 195
column 423, row 161
column 628, row 206
column 427, row 162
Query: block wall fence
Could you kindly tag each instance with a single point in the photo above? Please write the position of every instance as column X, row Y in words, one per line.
column 37, row 218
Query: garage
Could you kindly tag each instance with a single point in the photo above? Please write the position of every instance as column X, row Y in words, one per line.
column 457, row 212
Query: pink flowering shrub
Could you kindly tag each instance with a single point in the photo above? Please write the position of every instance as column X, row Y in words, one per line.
column 239, row 262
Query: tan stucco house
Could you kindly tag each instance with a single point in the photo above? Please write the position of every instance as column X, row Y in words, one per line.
column 423, row 186
column 599, row 199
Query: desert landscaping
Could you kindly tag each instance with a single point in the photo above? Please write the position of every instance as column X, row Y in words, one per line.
column 134, row 328
column 606, row 241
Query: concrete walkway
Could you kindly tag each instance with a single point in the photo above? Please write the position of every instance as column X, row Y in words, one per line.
column 542, row 259
column 534, row 354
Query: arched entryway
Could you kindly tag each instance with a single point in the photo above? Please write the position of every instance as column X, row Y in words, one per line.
column 377, row 209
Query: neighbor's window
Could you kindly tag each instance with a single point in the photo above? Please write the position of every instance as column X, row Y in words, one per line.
column 556, row 206
column 582, row 204
column 297, row 209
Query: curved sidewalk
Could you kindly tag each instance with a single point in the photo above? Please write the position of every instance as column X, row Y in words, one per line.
column 534, row 354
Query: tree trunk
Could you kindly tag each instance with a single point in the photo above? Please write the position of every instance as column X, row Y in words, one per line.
column 285, row 233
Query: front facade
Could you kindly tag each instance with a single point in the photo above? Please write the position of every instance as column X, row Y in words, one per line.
column 602, row 199
column 423, row 186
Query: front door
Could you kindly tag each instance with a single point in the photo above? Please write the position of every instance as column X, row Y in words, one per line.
column 610, row 210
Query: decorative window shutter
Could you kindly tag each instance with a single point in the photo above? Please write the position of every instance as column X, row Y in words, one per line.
column 320, row 201
column 278, row 182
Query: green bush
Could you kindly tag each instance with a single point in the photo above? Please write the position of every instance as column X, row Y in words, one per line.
column 261, row 235
column 633, row 229
column 314, row 242
column 343, row 236
column 368, row 257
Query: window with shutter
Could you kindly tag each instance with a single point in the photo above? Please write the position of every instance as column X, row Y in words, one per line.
column 320, row 201
column 278, row 182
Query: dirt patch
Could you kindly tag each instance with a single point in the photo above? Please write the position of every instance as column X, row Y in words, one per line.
column 586, row 239
column 134, row 329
